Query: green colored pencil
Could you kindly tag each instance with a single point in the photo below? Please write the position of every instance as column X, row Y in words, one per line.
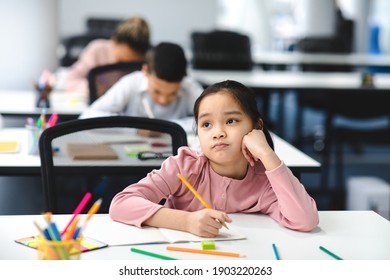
column 135, row 250
column 330, row 253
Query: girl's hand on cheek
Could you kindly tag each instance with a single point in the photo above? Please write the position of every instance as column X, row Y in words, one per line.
column 252, row 144
column 255, row 147
column 204, row 222
column 247, row 154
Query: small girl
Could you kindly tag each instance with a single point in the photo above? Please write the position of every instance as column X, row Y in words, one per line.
column 237, row 171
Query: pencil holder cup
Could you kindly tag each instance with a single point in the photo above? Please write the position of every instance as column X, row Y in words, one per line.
column 59, row 250
column 33, row 139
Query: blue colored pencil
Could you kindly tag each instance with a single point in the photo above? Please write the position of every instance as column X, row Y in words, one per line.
column 275, row 251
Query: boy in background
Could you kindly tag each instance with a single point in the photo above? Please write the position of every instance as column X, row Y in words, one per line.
column 160, row 90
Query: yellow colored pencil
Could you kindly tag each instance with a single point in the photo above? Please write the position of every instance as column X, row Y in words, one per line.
column 71, row 229
column 197, row 195
column 93, row 210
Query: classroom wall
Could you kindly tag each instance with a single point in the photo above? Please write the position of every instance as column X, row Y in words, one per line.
column 29, row 41
column 32, row 29
column 170, row 20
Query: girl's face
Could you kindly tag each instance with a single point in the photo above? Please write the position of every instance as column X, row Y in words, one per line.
column 221, row 126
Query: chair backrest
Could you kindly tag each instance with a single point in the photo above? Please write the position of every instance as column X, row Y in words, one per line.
column 340, row 43
column 74, row 45
column 115, row 134
column 221, row 50
column 102, row 26
column 101, row 78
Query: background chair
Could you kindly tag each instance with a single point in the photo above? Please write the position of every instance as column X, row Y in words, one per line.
column 221, row 50
column 101, row 78
column 102, row 26
column 349, row 120
column 116, row 132
column 340, row 43
column 225, row 50
column 96, row 28
column 73, row 46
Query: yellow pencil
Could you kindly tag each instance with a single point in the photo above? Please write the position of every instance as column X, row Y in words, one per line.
column 93, row 210
column 197, row 195
column 48, row 216
column 71, row 229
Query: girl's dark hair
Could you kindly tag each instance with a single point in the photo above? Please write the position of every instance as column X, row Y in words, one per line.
column 244, row 96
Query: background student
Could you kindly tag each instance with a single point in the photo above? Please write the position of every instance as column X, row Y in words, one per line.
column 237, row 171
column 160, row 90
column 130, row 42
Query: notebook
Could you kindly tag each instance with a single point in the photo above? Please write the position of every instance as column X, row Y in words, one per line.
column 115, row 234
column 83, row 151
column 9, row 146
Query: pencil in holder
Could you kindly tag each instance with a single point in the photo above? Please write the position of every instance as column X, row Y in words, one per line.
column 33, row 139
column 59, row 250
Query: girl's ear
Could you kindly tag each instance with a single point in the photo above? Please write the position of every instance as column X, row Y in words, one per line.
column 259, row 124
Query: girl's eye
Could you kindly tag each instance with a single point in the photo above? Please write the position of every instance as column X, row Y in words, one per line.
column 206, row 125
column 231, row 121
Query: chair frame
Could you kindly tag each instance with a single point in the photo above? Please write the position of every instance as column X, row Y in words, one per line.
column 49, row 171
column 126, row 67
column 221, row 50
column 78, row 42
column 355, row 105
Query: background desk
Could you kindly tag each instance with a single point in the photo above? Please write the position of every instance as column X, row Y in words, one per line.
column 267, row 82
column 283, row 59
column 23, row 164
column 293, row 80
column 352, row 235
column 22, row 103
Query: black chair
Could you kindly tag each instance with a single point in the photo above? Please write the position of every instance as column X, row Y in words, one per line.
column 358, row 108
column 101, row 78
column 355, row 108
column 96, row 28
column 74, row 45
column 340, row 43
column 117, row 132
column 102, row 26
column 221, row 50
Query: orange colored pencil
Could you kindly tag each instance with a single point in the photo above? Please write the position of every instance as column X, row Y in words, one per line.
column 206, row 252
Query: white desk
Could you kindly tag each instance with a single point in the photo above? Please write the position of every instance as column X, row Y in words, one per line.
column 297, row 58
column 289, row 80
column 23, row 164
column 23, row 103
column 352, row 235
column 265, row 83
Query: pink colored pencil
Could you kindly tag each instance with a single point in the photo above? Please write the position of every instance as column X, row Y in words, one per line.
column 78, row 209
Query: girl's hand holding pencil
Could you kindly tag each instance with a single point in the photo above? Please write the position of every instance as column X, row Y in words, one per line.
column 205, row 226
column 206, row 222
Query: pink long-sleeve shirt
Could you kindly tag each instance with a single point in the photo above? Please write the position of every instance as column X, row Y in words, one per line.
column 277, row 193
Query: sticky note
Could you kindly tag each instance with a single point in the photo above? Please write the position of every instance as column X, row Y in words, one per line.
column 208, row 245
column 9, row 146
